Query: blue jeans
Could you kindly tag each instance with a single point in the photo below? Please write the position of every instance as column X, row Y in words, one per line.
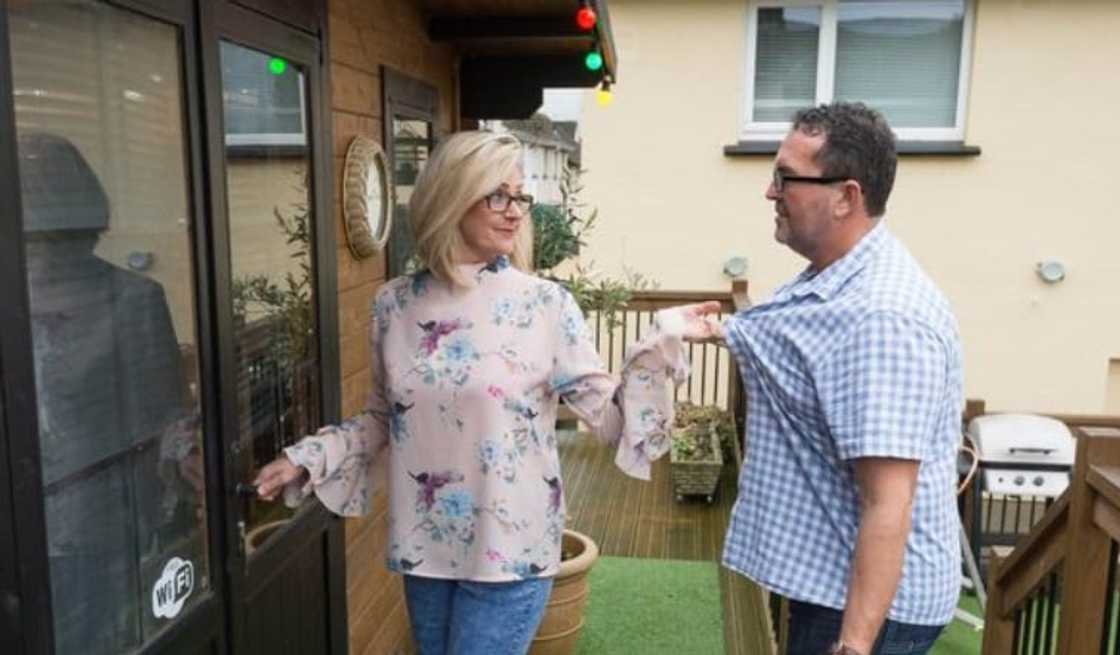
column 813, row 629
column 459, row 617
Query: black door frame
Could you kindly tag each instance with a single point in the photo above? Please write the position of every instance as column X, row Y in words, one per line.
column 231, row 22
column 27, row 613
column 205, row 622
column 26, row 623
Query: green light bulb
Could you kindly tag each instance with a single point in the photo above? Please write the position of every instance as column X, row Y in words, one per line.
column 277, row 66
column 593, row 61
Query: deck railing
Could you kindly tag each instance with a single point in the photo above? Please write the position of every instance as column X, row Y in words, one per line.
column 714, row 380
column 1056, row 592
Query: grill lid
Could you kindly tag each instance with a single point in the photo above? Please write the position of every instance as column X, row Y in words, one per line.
column 1015, row 439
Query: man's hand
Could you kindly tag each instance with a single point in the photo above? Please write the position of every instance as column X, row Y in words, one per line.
column 702, row 324
column 272, row 478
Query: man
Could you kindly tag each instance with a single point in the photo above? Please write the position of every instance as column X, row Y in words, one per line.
column 846, row 502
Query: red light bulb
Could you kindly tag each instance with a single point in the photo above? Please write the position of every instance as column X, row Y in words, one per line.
column 586, row 18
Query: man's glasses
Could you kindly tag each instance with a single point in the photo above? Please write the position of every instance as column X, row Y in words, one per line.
column 499, row 201
column 781, row 179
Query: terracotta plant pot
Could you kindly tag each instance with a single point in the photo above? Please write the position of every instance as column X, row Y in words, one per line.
column 563, row 616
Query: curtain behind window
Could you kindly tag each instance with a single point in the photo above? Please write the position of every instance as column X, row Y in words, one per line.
column 902, row 58
column 785, row 77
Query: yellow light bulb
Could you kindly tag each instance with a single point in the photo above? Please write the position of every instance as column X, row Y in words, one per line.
column 603, row 98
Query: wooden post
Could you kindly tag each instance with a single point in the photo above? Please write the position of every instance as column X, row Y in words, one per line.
column 1085, row 579
column 739, row 295
column 973, row 407
column 999, row 630
column 740, row 298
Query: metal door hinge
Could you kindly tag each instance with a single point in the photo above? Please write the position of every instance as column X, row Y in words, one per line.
column 9, row 607
column 241, row 538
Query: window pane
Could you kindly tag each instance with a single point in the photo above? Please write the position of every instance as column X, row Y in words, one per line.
column 271, row 226
column 785, row 75
column 263, row 97
column 106, row 222
column 903, row 58
column 412, row 143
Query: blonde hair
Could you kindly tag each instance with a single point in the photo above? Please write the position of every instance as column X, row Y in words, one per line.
column 462, row 170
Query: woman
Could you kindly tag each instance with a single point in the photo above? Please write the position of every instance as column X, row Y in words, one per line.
column 469, row 358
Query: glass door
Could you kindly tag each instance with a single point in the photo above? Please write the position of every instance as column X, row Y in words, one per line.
column 271, row 241
column 107, row 242
column 169, row 325
column 280, row 355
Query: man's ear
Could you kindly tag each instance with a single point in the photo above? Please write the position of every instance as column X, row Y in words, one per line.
column 850, row 201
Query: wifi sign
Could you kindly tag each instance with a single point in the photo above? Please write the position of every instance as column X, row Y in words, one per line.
column 173, row 587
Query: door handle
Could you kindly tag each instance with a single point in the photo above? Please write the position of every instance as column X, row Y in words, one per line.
column 246, row 490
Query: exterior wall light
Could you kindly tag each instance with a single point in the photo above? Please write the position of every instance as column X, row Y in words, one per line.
column 735, row 267
column 1051, row 271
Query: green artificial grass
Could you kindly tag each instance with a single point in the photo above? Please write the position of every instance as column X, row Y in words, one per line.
column 653, row 607
column 672, row 607
column 959, row 638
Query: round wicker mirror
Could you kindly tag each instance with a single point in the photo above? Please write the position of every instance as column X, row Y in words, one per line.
column 366, row 197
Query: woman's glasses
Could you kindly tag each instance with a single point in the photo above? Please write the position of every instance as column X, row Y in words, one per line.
column 499, row 201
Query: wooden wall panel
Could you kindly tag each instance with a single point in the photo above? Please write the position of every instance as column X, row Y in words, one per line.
column 364, row 36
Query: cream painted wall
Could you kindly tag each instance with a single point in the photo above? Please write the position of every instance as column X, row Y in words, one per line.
column 1042, row 106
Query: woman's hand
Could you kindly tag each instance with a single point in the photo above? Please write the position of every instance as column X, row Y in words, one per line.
column 273, row 476
column 702, row 325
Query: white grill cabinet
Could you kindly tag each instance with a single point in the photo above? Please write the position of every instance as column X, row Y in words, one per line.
column 1024, row 465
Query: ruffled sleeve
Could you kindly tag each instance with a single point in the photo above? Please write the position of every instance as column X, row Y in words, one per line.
column 347, row 463
column 636, row 411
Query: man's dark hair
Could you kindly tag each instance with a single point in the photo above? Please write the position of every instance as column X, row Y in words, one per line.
column 858, row 145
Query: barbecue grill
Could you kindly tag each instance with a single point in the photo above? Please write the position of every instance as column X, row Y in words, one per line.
column 1024, row 465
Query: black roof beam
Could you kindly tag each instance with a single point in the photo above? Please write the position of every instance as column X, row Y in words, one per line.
column 462, row 28
column 511, row 87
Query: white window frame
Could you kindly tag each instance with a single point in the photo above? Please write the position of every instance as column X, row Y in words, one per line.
column 826, row 66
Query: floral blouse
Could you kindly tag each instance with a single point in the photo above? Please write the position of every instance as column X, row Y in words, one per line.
column 460, row 420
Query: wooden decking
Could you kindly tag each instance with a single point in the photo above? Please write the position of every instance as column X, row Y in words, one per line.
column 631, row 518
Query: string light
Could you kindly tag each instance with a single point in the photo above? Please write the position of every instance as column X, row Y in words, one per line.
column 604, row 97
column 586, row 18
column 593, row 60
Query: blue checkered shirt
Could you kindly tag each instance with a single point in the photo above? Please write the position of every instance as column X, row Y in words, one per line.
column 860, row 360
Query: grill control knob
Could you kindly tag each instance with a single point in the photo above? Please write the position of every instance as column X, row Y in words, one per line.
column 1039, row 481
column 1020, row 480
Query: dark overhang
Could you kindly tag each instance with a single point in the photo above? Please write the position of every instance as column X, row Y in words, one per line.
column 513, row 49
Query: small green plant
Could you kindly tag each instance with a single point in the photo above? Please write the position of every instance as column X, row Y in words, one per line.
column 558, row 230
column 257, row 297
column 693, row 426
column 558, row 234
column 605, row 295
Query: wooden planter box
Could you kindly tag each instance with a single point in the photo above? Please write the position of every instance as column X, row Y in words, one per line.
column 697, row 477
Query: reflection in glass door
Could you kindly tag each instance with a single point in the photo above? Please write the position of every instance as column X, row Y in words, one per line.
column 99, row 121
column 412, row 143
column 268, row 168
